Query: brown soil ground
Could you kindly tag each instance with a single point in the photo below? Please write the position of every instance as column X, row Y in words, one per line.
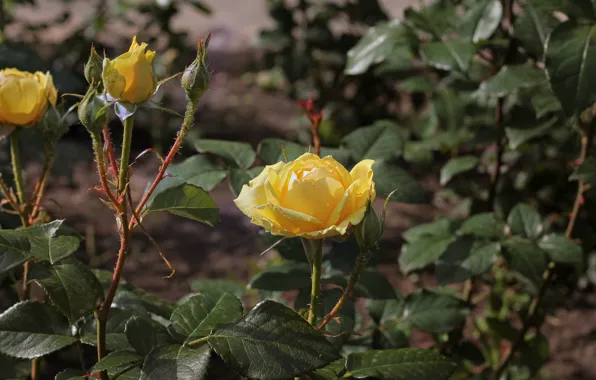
column 230, row 249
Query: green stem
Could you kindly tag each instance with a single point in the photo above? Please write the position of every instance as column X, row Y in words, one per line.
column 125, row 156
column 314, row 252
column 361, row 261
column 17, row 170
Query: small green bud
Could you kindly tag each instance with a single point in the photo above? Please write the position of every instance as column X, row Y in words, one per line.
column 369, row 231
column 93, row 67
column 93, row 112
column 196, row 77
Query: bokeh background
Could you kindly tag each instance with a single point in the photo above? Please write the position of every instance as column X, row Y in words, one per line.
column 264, row 55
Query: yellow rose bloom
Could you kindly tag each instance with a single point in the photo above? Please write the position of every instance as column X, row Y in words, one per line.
column 310, row 197
column 24, row 96
column 130, row 77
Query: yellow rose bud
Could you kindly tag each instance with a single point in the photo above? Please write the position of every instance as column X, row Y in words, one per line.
column 130, row 77
column 24, row 97
column 308, row 197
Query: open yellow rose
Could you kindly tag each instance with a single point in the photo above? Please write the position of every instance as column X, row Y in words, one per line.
column 308, row 197
column 24, row 97
column 130, row 77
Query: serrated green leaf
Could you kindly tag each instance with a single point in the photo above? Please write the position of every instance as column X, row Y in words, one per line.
column 454, row 54
column 389, row 177
column 237, row 154
column 441, row 227
column 481, row 21
column 571, row 65
column 116, row 360
column 202, row 313
column 377, row 45
column 400, row 364
column 45, row 245
column 272, row 342
column 286, row 276
column 115, row 329
column 526, row 258
column 434, row 312
column 217, row 287
column 483, row 225
column 142, row 335
column 544, row 101
column 464, row 259
column 373, row 285
column 187, row 201
column 71, row 286
column 435, row 18
column 560, row 249
column 376, row 142
column 30, row 329
column 457, row 165
column 525, row 221
column 331, row 372
column 532, row 28
column 197, row 170
column 70, row 374
column 586, row 172
column 423, row 252
column 271, row 151
column 14, row 249
column 175, row 362
column 241, row 177
column 518, row 136
column 511, row 78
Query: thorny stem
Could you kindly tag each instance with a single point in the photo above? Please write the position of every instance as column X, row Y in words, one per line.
column 12, row 201
column 315, row 122
column 43, row 181
column 586, row 142
column 101, row 169
column 186, row 125
column 110, row 150
column 361, row 261
column 103, row 312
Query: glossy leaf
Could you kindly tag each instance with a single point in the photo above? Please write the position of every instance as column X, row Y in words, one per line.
column 455, row 54
column 525, row 221
column 286, row 276
column 526, row 258
column 14, row 249
column 464, row 259
column 217, row 287
column 377, row 142
column 483, row 225
column 389, row 177
column 70, row 374
column 401, row 364
column 272, row 150
column 434, row 312
column 272, row 342
column 142, row 335
column 71, row 286
column 511, row 78
column 333, row 371
column 116, row 360
column 423, row 252
column 202, row 313
column 376, row 46
column 46, row 245
column 532, row 28
column 571, row 65
column 560, row 249
column 237, row 154
column 187, row 201
column 175, row 362
column 518, row 136
column 457, row 165
column 441, row 227
column 482, row 20
column 30, row 329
